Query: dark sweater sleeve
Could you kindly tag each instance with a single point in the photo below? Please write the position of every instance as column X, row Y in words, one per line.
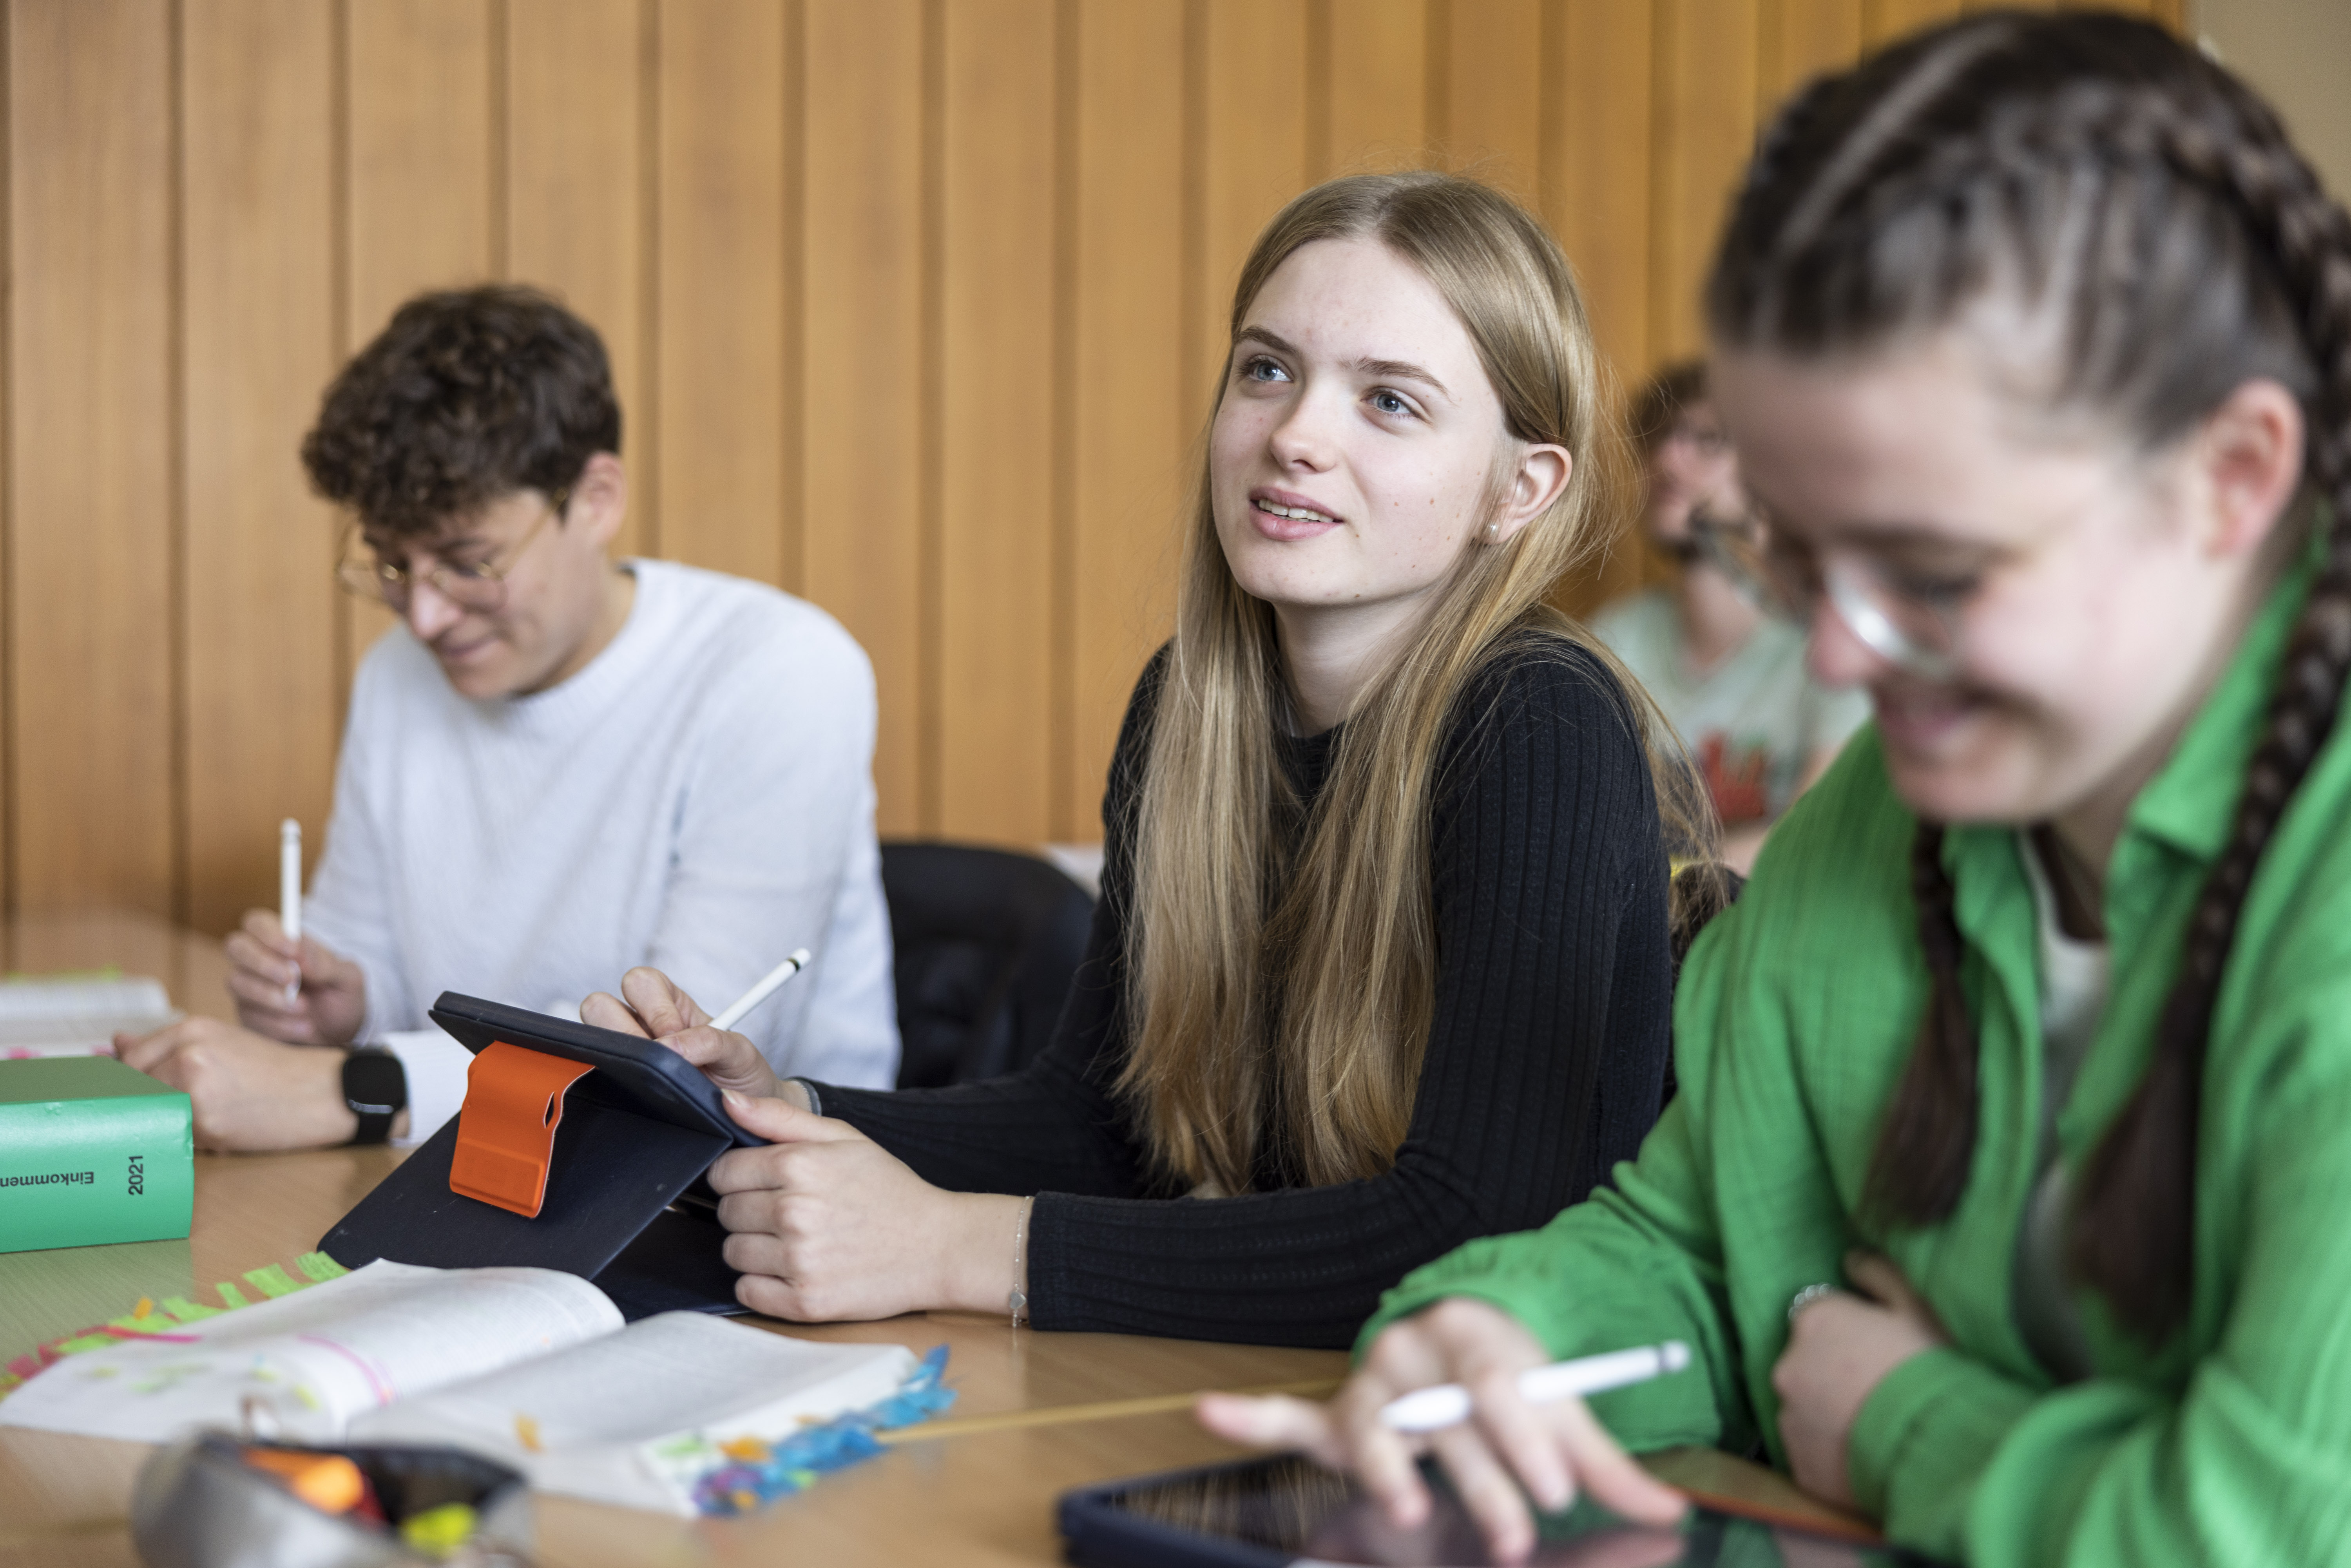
column 1054, row 1126
column 1543, row 1065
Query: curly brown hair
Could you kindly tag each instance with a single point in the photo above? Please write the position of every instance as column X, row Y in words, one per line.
column 469, row 395
column 1663, row 399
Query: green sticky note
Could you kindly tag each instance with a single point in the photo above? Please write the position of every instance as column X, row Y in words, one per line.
column 231, row 1297
column 184, row 1310
column 273, row 1281
column 320, row 1267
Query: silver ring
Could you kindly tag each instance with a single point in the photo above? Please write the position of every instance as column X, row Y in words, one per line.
column 1806, row 1297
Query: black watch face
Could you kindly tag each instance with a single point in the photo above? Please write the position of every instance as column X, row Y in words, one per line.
column 373, row 1083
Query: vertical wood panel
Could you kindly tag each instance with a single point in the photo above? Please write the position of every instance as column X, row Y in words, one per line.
column 11, row 821
column 1378, row 73
column 1799, row 40
column 1129, row 468
column 1705, row 117
column 420, row 181
column 1493, row 65
column 995, row 567
column 1596, row 198
column 861, row 393
column 574, row 179
column 1885, row 20
column 720, row 368
column 420, row 151
column 259, row 659
column 1253, row 156
column 1596, row 183
column 88, row 654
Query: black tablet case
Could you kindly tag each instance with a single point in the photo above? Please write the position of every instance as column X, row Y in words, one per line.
column 636, row 1134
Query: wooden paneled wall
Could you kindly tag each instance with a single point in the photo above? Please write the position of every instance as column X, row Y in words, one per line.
column 915, row 306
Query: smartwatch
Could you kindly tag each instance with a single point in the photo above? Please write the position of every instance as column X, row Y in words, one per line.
column 375, row 1087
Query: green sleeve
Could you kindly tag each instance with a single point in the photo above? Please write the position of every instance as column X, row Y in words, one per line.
column 1733, row 1204
column 1634, row 1264
column 1921, row 1441
column 2242, row 1455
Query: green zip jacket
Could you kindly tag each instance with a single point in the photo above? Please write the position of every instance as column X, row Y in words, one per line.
column 1793, row 1021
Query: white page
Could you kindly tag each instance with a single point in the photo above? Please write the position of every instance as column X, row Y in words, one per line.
column 71, row 1018
column 312, row 1360
column 683, row 1381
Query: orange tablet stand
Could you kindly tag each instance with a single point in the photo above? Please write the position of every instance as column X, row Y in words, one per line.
column 506, row 1129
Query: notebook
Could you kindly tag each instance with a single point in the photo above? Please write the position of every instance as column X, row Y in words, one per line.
column 76, row 1017
column 530, row 1366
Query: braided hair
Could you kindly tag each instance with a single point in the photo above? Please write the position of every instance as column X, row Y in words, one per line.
column 2148, row 215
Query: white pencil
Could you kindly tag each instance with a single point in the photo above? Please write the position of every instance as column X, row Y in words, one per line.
column 289, row 895
column 766, row 988
column 1447, row 1404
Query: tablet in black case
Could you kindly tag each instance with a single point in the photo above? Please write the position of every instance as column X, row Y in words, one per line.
column 622, row 1205
column 1286, row 1509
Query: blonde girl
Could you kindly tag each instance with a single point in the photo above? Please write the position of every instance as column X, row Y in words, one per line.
column 1381, row 962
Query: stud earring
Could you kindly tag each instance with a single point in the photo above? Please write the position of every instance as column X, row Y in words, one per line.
column 1493, row 533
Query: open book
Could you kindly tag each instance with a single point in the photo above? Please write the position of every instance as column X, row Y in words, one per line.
column 528, row 1366
column 70, row 1017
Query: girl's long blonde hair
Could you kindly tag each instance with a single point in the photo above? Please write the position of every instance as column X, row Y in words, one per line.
column 1290, row 991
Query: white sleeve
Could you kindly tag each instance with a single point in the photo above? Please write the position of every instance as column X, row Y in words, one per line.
column 435, row 1066
column 348, row 904
column 779, row 808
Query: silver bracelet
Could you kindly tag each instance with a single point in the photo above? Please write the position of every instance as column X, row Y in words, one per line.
column 1806, row 1297
column 1018, row 1303
column 816, row 1103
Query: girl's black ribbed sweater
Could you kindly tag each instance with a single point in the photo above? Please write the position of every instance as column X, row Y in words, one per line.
column 1545, row 1059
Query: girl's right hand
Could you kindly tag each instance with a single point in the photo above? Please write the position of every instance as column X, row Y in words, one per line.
column 1554, row 1451
column 654, row 1005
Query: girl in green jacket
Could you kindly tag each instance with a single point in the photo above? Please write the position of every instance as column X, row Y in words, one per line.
column 2008, row 1193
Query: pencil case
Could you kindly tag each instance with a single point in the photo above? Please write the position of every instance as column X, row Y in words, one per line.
column 217, row 1500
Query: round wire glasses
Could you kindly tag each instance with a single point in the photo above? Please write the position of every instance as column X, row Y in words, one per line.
column 1912, row 625
column 477, row 586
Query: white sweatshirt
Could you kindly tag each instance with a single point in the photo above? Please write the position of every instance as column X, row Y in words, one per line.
column 700, row 797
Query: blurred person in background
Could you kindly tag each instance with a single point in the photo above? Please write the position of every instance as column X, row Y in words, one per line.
column 1727, row 674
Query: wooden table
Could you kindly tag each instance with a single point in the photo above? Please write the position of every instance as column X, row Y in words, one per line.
column 983, row 1499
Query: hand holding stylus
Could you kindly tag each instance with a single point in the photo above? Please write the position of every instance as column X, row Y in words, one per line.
column 299, row 990
column 824, row 1224
column 1554, row 1451
column 655, row 1007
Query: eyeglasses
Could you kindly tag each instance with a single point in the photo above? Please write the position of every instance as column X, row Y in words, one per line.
column 1708, row 439
column 477, row 586
column 1911, row 624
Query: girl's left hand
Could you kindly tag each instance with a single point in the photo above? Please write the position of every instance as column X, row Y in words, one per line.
column 828, row 1226
column 1840, row 1347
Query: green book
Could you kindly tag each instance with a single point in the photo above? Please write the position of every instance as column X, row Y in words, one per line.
column 92, row 1151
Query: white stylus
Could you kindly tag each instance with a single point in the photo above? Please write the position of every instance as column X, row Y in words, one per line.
column 289, row 896
column 1447, row 1404
column 762, row 991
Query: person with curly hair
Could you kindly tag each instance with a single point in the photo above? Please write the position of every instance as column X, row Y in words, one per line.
column 556, row 767
column 1725, row 665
